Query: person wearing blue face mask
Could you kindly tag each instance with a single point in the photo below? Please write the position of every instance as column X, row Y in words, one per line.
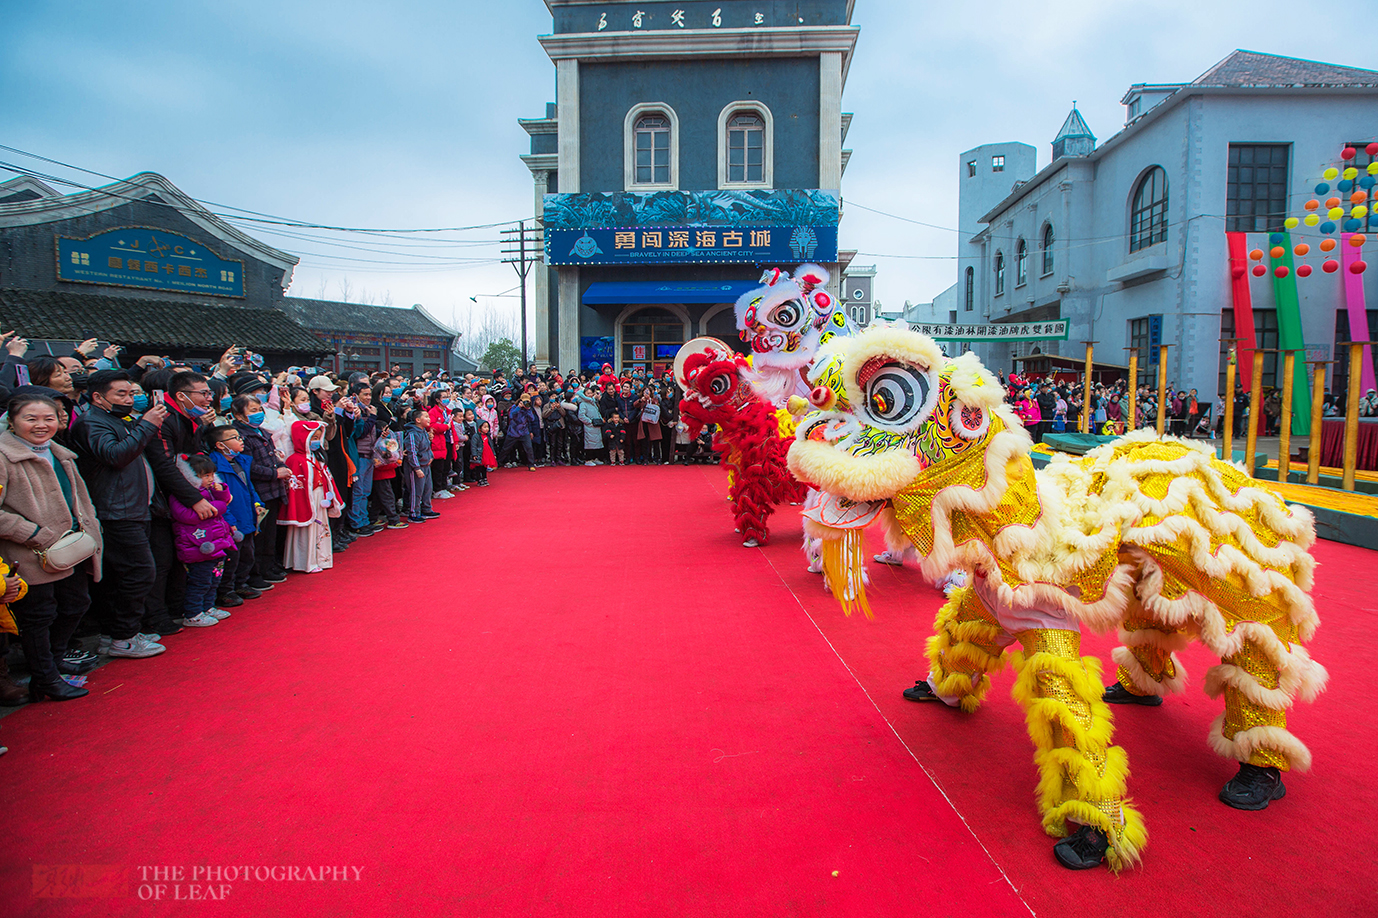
column 111, row 458
column 269, row 476
column 141, row 403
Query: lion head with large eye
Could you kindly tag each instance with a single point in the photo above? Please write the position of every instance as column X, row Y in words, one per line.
column 888, row 406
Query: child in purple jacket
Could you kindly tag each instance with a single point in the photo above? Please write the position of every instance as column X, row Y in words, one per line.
column 201, row 544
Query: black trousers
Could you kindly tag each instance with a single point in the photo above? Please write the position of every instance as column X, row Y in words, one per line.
column 440, row 473
column 239, row 565
column 511, row 445
column 128, row 574
column 168, row 596
column 384, row 498
column 47, row 617
column 266, row 539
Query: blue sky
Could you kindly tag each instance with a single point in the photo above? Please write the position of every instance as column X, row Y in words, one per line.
column 404, row 114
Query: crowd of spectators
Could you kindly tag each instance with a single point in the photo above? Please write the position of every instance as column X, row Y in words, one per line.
column 141, row 499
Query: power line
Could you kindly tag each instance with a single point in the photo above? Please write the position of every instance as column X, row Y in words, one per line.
column 257, row 216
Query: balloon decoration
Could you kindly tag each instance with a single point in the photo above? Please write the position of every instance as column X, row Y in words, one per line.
column 1340, row 212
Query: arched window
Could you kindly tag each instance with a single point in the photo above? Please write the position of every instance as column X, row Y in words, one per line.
column 1148, row 214
column 971, row 289
column 746, row 140
column 1048, row 240
column 999, row 273
column 651, row 148
column 745, row 146
column 1021, row 264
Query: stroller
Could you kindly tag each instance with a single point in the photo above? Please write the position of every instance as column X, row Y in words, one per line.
column 1204, row 428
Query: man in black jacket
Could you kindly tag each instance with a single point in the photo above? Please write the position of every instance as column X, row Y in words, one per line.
column 188, row 404
column 110, row 455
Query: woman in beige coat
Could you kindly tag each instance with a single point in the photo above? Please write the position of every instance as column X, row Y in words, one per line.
column 42, row 496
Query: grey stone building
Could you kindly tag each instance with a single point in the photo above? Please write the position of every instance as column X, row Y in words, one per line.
column 1127, row 240
column 690, row 144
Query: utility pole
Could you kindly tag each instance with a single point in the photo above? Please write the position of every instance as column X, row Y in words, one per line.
column 520, row 246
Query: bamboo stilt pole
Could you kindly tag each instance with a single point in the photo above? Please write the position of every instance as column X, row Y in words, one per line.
column 1255, row 412
column 1086, row 390
column 1356, row 356
column 1289, row 362
column 1162, row 388
column 1227, row 440
column 1129, row 424
column 1313, row 449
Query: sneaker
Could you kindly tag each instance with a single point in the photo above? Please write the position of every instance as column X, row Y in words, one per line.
column 218, row 614
column 364, row 533
column 398, row 524
column 135, row 648
column 483, row 484
column 430, row 515
column 417, row 519
column 79, row 657
column 228, row 600
column 1253, row 788
column 890, row 557
column 442, row 495
column 1118, row 694
column 274, row 577
column 151, row 637
column 203, row 620
column 1082, row 850
column 103, row 645
column 533, row 468
column 171, row 626
column 590, row 463
column 260, row 584
column 921, row 691
column 247, row 592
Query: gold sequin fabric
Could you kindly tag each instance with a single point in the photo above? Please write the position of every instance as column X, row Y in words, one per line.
column 1243, row 714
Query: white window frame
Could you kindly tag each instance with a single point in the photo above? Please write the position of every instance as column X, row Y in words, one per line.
column 767, row 152
column 629, row 182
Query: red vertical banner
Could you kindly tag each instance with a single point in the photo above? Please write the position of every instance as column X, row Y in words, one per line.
column 1243, row 308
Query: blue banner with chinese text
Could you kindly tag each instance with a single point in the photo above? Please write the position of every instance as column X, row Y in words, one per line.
column 155, row 259
column 691, row 245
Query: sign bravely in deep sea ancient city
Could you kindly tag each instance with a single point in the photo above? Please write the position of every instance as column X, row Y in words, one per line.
column 135, row 256
column 691, row 227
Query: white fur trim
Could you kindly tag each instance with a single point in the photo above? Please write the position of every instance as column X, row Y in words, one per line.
column 1247, row 742
column 1123, row 656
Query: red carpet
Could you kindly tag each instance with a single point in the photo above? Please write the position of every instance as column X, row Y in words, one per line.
column 575, row 694
column 1306, row 855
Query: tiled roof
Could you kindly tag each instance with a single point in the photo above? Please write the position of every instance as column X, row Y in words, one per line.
column 1250, row 68
column 329, row 315
column 66, row 315
column 1074, row 126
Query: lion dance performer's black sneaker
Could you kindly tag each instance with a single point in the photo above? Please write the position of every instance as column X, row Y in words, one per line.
column 1083, row 849
column 921, row 691
column 1253, row 788
column 1118, row 694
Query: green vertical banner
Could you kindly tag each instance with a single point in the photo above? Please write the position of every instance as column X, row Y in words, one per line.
column 1289, row 328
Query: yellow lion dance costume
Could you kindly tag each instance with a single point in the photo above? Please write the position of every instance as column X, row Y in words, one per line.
column 1152, row 536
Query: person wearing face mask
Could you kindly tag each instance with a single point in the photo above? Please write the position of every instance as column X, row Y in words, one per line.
column 312, row 501
column 188, row 402
column 110, row 441
column 269, row 476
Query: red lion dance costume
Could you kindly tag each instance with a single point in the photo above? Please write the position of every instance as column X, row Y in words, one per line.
column 754, row 451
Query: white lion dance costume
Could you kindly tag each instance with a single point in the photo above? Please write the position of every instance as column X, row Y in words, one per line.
column 1153, row 537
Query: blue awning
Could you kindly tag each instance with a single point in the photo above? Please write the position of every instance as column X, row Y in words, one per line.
column 613, row 293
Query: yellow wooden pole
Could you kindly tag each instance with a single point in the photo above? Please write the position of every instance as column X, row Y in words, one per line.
column 1356, row 356
column 1313, row 449
column 1086, row 396
column 1129, row 424
column 1289, row 362
column 1162, row 388
column 1227, row 441
column 1255, row 412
